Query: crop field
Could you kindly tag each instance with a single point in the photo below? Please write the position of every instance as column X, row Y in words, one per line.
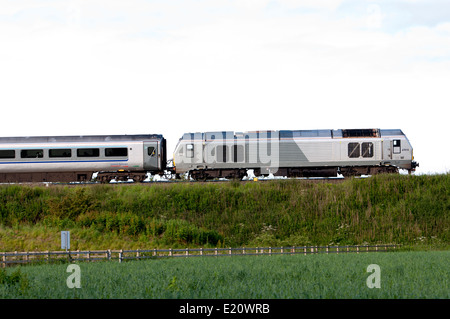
column 400, row 275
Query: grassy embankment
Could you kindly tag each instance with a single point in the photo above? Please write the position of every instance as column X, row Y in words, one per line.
column 409, row 210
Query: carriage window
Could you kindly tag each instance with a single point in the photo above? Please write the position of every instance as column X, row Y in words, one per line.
column 32, row 153
column 60, row 153
column 151, row 151
column 88, row 152
column 7, row 154
column 367, row 149
column 353, row 150
column 116, row 151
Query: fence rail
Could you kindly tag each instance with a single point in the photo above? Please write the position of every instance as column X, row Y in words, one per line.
column 11, row 258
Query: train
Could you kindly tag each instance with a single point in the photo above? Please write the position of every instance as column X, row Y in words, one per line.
column 206, row 155
column 78, row 158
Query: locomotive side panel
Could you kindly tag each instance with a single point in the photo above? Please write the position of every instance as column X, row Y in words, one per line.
column 294, row 153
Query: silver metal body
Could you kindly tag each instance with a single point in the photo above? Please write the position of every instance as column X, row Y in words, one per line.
column 280, row 152
column 57, row 154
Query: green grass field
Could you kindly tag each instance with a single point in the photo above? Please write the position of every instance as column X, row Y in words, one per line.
column 403, row 275
column 413, row 211
column 408, row 210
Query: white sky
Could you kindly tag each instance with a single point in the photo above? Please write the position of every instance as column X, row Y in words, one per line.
column 169, row 67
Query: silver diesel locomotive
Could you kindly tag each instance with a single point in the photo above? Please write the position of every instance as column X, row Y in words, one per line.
column 297, row 153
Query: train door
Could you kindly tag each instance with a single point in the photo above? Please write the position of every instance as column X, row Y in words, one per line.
column 151, row 156
column 396, row 149
column 387, row 150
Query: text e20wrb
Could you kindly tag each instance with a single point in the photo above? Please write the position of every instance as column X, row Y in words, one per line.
column 246, row 308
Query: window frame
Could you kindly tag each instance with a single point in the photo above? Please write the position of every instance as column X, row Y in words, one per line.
column 367, row 146
column 59, row 156
column 153, row 151
column 88, row 149
column 39, row 153
column 6, row 156
column 351, row 149
column 109, row 151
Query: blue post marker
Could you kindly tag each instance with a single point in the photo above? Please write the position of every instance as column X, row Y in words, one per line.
column 65, row 240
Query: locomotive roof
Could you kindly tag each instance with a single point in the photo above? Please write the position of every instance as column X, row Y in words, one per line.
column 81, row 138
column 340, row 133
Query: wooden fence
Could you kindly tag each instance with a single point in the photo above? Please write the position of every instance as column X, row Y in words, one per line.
column 11, row 258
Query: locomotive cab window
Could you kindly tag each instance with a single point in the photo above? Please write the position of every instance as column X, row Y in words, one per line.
column 32, row 153
column 7, row 154
column 151, row 151
column 116, row 152
column 88, row 152
column 353, row 150
column 367, row 149
column 60, row 152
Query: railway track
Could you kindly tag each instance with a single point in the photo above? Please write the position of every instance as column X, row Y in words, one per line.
column 332, row 180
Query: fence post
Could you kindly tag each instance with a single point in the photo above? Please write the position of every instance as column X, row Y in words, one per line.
column 282, row 252
column 337, row 250
column 4, row 260
column 201, row 251
column 270, row 251
column 215, row 251
column 357, row 249
column 120, row 255
column 170, row 252
column 229, row 251
column 187, row 251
